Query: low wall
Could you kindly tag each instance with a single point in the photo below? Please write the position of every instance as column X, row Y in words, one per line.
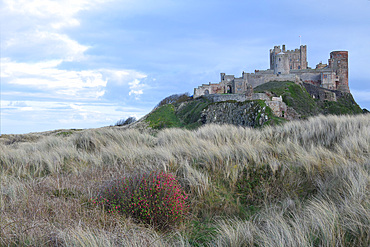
column 236, row 97
column 226, row 97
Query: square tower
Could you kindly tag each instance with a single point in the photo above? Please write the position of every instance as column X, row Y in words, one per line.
column 297, row 58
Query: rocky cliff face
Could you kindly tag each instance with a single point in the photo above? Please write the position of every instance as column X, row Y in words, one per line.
column 249, row 113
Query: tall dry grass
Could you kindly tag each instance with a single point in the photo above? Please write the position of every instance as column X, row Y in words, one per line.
column 316, row 192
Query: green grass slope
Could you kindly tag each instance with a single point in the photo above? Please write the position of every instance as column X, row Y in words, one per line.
column 177, row 114
column 297, row 97
column 187, row 114
column 163, row 117
column 344, row 105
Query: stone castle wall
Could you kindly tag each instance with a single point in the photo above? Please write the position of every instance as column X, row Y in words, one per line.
column 323, row 93
column 235, row 97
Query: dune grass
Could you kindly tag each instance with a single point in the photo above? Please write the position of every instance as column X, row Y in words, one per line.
column 304, row 183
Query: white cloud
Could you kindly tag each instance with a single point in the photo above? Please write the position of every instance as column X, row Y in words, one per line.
column 122, row 77
column 35, row 28
column 136, row 88
column 43, row 44
column 68, row 84
column 32, row 115
column 17, row 104
column 45, row 76
column 361, row 95
column 38, row 36
column 51, row 13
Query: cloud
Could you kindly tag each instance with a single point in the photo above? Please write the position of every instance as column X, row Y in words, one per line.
column 36, row 115
column 46, row 77
column 136, row 88
column 17, row 104
column 34, row 29
column 55, row 14
column 363, row 96
column 68, row 84
column 43, row 45
column 122, row 77
column 35, row 65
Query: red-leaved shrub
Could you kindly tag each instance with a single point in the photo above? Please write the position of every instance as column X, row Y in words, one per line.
column 154, row 198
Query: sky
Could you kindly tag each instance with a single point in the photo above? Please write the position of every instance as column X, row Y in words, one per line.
column 89, row 63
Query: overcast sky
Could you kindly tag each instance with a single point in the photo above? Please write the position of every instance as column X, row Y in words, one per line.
column 89, row 63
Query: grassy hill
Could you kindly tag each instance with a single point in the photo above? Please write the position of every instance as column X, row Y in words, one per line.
column 178, row 114
column 297, row 97
column 188, row 113
column 184, row 112
column 303, row 183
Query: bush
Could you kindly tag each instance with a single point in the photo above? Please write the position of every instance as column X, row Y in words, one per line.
column 152, row 198
column 174, row 99
column 123, row 122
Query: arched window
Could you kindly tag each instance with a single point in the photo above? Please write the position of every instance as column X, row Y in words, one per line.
column 206, row 92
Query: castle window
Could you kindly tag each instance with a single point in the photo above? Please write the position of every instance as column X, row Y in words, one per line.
column 299, row 67
column 279, row 59
column 229, row 90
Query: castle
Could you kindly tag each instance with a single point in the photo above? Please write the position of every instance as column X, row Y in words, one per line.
column 286, row 65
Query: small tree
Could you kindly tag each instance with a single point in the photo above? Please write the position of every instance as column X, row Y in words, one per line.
column 128, row 121
column 174, row 98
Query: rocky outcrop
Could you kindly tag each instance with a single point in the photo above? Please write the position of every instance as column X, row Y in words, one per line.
column 248, row 113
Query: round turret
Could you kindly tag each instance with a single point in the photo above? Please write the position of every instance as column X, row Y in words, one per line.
column 281, row 63
column 339, row 63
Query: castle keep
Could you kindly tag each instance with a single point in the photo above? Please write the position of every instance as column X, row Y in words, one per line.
column 285, row 65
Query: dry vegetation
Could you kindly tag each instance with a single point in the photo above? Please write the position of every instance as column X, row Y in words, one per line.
column 305, row 183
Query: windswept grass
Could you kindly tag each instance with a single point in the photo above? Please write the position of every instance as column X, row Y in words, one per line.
column 304, row 183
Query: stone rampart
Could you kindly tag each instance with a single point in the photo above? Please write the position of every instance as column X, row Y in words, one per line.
column 226, row 97
column 235, row 97
column 322, row 93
